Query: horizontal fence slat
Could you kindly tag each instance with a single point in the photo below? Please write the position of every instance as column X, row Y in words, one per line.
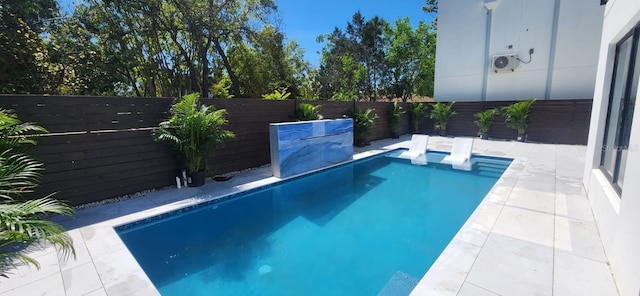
column 101, row 147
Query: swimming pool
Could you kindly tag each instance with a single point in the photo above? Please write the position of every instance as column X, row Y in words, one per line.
column 372, row 226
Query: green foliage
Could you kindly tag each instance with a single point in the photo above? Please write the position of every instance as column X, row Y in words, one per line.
column 14, row 133
column 441, row 113
column 417, row 115
column 374, row 59
column 410, row 59
column 363, row 122
column 344, row 96
column 309, row 112
column 516, row 115
column 21, row 225
column 23, row 56
column 193, row 129
column 221, row 88
column 484, row 119
column 281, row 94
column 395, row 114
column 21, row 222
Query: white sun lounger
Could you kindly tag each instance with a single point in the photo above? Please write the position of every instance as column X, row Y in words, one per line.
column 460, row 157
column 417, row 150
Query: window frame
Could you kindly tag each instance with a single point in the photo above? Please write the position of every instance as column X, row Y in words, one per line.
column 634, row 34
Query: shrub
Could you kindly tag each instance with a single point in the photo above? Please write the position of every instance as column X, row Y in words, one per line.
column 441, row 113
column 517, row 115
column 309, row 112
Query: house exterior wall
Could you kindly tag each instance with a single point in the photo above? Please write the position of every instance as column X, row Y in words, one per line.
column 564, row 36
column 617, row 215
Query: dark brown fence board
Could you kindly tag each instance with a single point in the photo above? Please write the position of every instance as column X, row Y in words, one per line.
column 111, row 152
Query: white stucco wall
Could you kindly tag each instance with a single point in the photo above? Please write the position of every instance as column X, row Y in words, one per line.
column 617, row 217
column 561, row 68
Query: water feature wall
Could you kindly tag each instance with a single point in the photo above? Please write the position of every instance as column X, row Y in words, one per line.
column 299, row 147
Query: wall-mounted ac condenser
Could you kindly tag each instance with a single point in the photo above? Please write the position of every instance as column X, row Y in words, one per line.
column 504, row 62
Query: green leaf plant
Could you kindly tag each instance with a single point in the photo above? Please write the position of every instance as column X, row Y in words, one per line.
column 193, row 129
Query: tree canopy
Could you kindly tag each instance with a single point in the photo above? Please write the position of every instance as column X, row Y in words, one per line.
column 220, row 48
column 372, row 60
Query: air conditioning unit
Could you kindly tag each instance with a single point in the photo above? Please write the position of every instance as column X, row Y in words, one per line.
column 504, row 62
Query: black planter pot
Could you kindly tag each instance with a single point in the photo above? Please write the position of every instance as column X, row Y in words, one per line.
column 395, row 135
column 484, row 136
column 195, row 179
column 442, row 133
column 521, row 138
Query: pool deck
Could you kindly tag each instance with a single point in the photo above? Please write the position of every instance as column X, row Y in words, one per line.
column 533, row 234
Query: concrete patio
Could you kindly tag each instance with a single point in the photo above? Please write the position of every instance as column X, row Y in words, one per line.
column 533, row 234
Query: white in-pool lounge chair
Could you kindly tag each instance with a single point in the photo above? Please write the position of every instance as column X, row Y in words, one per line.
column 417, row 150
column 460, row 157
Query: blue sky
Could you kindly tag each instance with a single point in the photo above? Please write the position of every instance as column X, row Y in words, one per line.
column 304, row 20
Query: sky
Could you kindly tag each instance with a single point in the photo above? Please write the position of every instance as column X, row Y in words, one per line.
column 304, row 20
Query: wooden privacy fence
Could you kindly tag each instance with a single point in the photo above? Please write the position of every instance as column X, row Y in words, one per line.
column 101, row 147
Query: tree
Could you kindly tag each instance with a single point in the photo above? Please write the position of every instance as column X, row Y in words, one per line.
column 410, row 57
column 353, row 61
column 174, row 47
column 373, row 59
column 23, row 56
column 266, row 63
column 430, row 6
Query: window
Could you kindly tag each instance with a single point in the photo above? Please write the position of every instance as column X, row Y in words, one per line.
column 622, row 98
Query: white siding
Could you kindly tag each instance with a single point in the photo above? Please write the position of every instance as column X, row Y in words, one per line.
column 617, row 217
column 516, row 26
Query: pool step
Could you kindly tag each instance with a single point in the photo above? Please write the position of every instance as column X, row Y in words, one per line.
column 400, row 284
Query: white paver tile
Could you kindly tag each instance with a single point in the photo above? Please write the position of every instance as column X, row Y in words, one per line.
column 509, row 266
column 575, row 275
column 469, row 289
column 49, row 286
column 579, row 238
column 135, row 283
column 533, row 200
column 446, row 281
column 82, row 254
column 98, row 292
column 574, row 206
column 81, row 280
column 526, row 225
column 28, row 274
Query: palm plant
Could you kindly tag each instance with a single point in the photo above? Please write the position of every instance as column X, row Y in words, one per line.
column 484, row 120
column 21, row 223
column 417, row 115
column 22, row 227
column 395, row 114
column 363, row 121
column 14, row 133
column 517, row 116
column 441, row 113
column 309, row 112
column 193, row 129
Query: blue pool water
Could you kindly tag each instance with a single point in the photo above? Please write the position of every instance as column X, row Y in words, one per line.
column 368, row 227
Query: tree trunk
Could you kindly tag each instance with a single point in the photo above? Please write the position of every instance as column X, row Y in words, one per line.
column 235, row 84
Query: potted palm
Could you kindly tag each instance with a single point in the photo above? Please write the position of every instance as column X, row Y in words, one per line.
column 516, row 117
column 363, row 121
column 395, row 113
column 441, row 113
column 193, row 129
column 417, row 115
column 484, row 120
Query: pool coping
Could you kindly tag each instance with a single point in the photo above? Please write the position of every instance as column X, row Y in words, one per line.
column 104, row 266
